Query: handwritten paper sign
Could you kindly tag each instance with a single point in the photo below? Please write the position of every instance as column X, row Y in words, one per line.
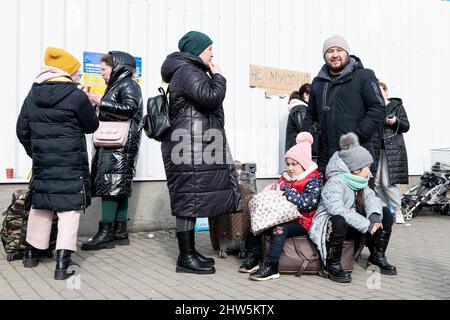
column 277, row 81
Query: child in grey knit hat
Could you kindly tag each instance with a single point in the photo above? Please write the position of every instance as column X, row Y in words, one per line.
column 356, row 157
column 347, row 203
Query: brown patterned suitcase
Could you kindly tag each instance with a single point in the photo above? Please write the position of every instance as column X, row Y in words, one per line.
column 300, row 256
column 228, row 231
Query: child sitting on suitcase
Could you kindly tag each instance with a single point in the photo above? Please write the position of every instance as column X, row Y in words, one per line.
column 349, row 206
column 300, row 184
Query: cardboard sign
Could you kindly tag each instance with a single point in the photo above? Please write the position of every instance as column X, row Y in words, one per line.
column 277, row 81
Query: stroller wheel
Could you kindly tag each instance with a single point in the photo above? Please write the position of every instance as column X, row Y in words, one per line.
column 445, row 209
column 407, row 213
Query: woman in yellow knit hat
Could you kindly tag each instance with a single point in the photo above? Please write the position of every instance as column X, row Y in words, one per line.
column 51, row 127
column 61, row 59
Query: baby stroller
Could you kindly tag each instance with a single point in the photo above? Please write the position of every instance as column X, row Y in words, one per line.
column 431, row 192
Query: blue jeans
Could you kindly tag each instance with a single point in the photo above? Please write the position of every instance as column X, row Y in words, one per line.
column 279, row 235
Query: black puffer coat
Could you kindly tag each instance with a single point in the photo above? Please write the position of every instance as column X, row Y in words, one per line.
column 113, row 169
column 390, row 138
column 357, row 106
column 294, row 127
column 198, row 186
column 51, row 127
column 294, row 123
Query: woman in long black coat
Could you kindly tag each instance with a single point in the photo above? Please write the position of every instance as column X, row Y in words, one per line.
column 390, row 153
column 52, row 124
column 199, row 168
column 113, row 169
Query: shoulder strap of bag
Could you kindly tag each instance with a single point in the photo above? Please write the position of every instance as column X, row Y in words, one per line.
column 306, row 260
column 173, row 95
column 300, row 115
column 28, row 198
column 331, row 94
column 328, row 97
column 162, row 91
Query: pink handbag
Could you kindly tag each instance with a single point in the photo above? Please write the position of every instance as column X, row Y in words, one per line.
column 112, row 134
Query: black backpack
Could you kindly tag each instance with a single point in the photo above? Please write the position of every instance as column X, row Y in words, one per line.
column 156, row 122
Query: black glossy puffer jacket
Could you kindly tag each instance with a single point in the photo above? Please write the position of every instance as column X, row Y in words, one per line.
column 391, row 139
column 113, row 168
column 51, row 126
column 202, row 182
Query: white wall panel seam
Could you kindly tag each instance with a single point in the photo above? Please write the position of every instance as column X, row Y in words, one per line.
column 166, row 22
column 128, row 25
column 86, row 32
column 18, row 78
column 234, row 71
column 41, row 30
column 65, row 23
column 202, row 14
column 108, row 23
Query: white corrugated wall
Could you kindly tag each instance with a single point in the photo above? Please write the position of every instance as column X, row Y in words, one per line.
column 405, row 42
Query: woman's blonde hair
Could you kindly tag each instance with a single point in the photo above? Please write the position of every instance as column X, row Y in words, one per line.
column 383, row 85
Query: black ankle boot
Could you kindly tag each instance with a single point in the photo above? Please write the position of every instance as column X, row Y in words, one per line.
column 31, row 257
column 334, row 269
column 63, row 262
column 268, row 270
column 187, row 260
column 250, row 263
column 120, row 233
column 104, row 238
column 377, row 253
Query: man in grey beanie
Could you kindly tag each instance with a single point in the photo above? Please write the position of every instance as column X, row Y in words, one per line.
column 344, row 97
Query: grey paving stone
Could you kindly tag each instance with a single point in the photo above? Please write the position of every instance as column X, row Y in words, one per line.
column 146, row 270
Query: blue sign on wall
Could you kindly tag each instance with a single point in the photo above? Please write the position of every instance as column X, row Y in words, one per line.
column 92, row 73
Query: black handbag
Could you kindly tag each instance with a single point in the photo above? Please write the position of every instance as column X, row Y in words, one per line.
column 156, row 123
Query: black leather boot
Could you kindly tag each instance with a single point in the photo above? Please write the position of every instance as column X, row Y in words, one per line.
column 268, row 270
column 203, row 259
column 378, row 252
column 333, row 268
column 250, row 263
column 187, row 260
column 104, row 238
column 120, row 233
column 63, row 262
column 31, row 257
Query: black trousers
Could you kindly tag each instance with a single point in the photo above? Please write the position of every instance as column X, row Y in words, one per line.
column 279, row 235
column 340, row 230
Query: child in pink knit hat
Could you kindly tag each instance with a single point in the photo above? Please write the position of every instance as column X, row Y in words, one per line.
column 300, row 184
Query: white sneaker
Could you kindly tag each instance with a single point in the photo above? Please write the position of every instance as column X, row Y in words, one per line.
column 399, row 216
